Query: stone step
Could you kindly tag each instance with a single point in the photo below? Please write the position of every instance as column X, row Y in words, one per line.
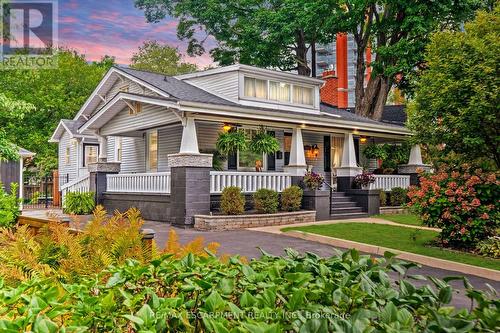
column 347, row 210
column 339, row 194
column 343, row 204
column 348, row 216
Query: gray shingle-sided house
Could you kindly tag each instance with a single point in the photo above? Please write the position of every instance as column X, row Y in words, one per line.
column 12, row 171
column 136, row 121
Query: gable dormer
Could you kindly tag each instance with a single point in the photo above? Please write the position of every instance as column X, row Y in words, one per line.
column 253, row 86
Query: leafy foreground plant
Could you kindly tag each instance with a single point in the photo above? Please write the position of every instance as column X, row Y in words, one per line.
column 344, row 293
column 58, row 252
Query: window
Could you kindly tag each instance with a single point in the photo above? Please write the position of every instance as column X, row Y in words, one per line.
column 67, row 155
column 152, row 151
column 247, row 160
column 279, row 91
column 118, row 149
column 302, row 95
column 255, row 88
column 90, row 154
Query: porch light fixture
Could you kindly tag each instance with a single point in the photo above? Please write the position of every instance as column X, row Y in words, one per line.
column 363, row 140
column 227, row 127
column 312, row 152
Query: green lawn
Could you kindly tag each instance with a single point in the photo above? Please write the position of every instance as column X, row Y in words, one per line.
column 399, row 238
column 409, row 219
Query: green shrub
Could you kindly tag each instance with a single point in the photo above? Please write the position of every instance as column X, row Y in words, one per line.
column 266, row 201
column 232, row 201
column 79, row 203
column 344, row 293
column 9, row 206
column 291, row 199
column 398, row 196
column 383, row 198
column 490, row 247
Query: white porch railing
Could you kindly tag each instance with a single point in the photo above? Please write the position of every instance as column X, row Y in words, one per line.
column 78, row 185
column 249, row 181
column 158, row 182
column 388, row 182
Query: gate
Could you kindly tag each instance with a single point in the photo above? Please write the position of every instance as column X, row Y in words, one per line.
column 41, row 191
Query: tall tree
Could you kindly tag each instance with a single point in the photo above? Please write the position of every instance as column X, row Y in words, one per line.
column 397, row 31
column 47, row 96
column 456, row 101
column 155, row 57
column 280, row 33
column 264, row 33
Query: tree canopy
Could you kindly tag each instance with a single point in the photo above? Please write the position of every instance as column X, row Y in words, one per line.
column 155, row 57
column 456, row 102
column 280, row 34
column 33, row 101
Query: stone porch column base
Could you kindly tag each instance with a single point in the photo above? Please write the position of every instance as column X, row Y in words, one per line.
column 190, row 187
column 296, row 170
column 98, row 177
column 413, row 171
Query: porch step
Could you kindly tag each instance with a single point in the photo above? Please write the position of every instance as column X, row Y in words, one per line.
column 339, row 195
column 347, row 210
column 343, row 204
column 348, row 216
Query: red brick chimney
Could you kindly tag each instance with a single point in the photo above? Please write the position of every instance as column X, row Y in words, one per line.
column 329, row 92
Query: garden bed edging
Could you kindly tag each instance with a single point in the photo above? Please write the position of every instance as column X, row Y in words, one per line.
column 233, row 222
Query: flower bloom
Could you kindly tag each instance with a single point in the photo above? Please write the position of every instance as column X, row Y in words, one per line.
column 475, row 202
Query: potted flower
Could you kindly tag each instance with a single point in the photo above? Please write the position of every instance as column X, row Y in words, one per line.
column 364, row 180
column 313, row 181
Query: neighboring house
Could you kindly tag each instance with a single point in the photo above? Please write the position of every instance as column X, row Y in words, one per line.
column 12, row 171
column 138, row 118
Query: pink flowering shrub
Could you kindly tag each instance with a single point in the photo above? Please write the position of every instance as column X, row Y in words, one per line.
column 463, row 202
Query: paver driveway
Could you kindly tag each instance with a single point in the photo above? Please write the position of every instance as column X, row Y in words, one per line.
column 246, row 243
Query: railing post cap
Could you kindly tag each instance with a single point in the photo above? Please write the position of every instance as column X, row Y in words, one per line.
column 148, row 233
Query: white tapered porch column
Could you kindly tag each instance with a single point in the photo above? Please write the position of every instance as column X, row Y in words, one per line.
column 297, row 165
column 349, row 166
column 189, row 141
column 103, row 148
column 415, row 164
column 190, row 179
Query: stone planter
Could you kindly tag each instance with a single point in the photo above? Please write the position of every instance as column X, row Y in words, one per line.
column 318, row 200
column 232, row 222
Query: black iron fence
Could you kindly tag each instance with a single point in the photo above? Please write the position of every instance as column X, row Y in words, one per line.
column 40, row 191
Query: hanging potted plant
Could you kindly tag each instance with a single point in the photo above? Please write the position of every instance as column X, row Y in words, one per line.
column 375, row 155
column 231, row 142
column 264, row 143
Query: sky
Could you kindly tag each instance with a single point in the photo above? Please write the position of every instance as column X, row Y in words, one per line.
column 116, row 28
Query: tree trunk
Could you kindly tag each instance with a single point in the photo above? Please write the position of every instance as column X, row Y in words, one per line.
column 374, row 98
column 313, row 59
column 301, row 54
column 359, row 90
